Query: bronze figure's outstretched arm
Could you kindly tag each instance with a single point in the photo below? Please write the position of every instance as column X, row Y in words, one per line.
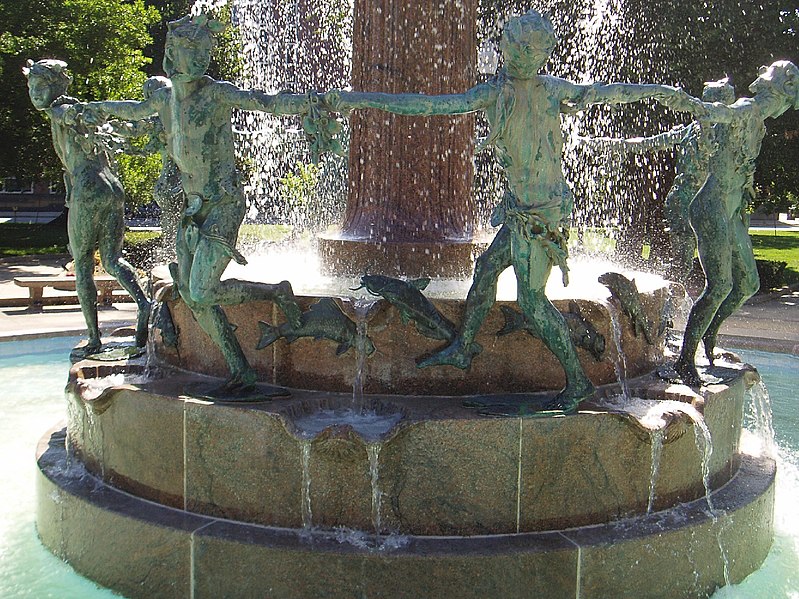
column 477, row 98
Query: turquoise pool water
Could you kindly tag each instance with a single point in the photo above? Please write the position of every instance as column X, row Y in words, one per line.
column 32, row 378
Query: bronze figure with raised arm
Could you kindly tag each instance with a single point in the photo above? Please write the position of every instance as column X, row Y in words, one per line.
column 523, row 108
column 95, row 197
column 702, row 147
column 718, row 213
column 195, row 112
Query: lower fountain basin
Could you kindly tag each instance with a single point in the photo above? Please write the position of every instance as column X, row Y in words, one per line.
column 423, row 466
column 142, row 549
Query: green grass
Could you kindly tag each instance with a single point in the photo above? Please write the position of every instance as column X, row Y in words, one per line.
column 21, row 240
column 18, row 239
column 780, row 246
column 139, row 237
column 252, row 233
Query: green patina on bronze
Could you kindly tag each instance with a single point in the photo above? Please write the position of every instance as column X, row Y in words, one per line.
column 195, row 112
column 583, row 332
column 695, row 143
column 168, row 191
column 323, row 320
column 625, row 292
column 718, row 212
column 412, row 305
column 95, row 197
column 523, row 108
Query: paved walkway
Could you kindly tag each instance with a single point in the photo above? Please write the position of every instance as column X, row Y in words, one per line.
column 17, row 320
column 769, row 322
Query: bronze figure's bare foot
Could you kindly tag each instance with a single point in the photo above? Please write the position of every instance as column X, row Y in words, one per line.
column 688, row 373
column 571, row 396
column 81, row 353
column 240, row 387
column 455, row 354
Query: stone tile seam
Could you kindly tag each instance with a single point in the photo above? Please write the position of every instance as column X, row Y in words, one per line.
column 192, row 560
column 519, row 478
column 578, row 573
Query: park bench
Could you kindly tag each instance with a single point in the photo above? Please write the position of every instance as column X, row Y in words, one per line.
column 106, row 285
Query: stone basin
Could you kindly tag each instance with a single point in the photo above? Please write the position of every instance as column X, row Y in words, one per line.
column 153, row 491
column 427, row 465
column 312, row 364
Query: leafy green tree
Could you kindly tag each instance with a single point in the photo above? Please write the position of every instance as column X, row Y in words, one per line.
column 101, row 40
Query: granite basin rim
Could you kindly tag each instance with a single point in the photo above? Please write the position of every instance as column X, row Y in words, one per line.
column 70, row 501
column 179, row 451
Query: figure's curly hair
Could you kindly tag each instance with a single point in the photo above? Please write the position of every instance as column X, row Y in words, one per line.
column 531, row 30
column 54, row 71
column 195, row 27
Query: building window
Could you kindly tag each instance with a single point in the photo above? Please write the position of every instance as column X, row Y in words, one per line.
column 12, row 185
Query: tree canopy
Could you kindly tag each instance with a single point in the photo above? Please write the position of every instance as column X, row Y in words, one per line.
column 101, row 40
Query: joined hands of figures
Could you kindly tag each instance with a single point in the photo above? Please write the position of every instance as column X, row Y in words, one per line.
column 676, row 98
column 321, row 126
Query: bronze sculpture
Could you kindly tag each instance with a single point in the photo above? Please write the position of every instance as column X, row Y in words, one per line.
column 523, row 108
column 718, row 213
column 95, row 196
column 196, row 112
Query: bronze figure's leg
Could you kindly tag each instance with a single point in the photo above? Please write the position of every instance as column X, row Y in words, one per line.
column 111, row 239
column 745, row 283
column 201, row 263
column 532, row 266
column 713, row 240
column 482, row 295
column 82, row 230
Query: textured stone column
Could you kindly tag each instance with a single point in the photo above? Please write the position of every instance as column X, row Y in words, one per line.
column 410, row 207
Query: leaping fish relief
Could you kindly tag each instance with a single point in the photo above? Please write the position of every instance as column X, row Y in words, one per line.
column 323, row 320
column 625, row 292
column 412, row 305
column 583, row 332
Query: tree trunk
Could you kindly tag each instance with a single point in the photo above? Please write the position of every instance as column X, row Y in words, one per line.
column 411, row 177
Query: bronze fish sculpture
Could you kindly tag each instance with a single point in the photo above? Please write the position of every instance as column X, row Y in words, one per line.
column 582, row 331
column 323, row 320
column 407, row 298
column 625, row 292
column 163, row 322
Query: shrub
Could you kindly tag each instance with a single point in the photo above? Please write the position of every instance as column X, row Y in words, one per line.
column 772, row 274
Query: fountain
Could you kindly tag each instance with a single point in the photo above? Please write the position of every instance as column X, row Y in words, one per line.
column 330, row 464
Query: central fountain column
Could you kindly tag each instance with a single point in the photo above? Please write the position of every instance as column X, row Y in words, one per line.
column 410, row 209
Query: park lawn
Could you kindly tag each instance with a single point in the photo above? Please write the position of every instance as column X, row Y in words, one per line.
column 254, row 233
column 779, row 246
column 18, row 239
